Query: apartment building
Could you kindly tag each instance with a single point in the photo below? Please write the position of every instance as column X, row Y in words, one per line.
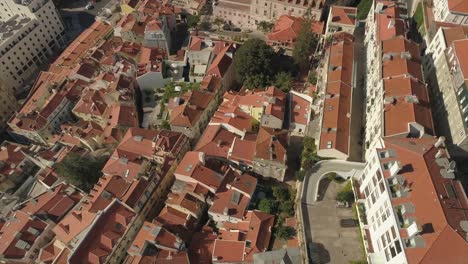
column 397, row 97
column 451, row 11
column 413, row 208
column 30, row 32
column 7, row 105
column 334, row 140
column 447, row 74
column 248, row 13
column 341, row 18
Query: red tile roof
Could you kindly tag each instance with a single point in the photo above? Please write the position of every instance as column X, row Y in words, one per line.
column 20, row 229
column 271, row 145
column 343, row 15
column 72, row 225
column 300, row 108
column 81, row 45
column 186, row 201
column 340, row 61
column 232, row 116
column 220, row 65
column 104, row 234
column 433, row 205
column 458, row 6
column 389, row 26
column 154, row 233
column 125, row 164
column 192, row 168
column 335, row 127
column 408, row 102
column 242, row 150
column 400, row 45
column 216, row 141
column 177, row 222
column 234, row 197
column 336, row 118
column 461, row 51
column 122, row 116
column 230, row 251
column 201, row 246
column 287, row 29
column 256, row 228
column 55, row 202
column 184, row 116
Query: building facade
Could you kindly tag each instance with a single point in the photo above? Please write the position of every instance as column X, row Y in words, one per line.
column 445, row 64
column 410, row 202
column 451, row 11
column 30, row 33
column 248, row 13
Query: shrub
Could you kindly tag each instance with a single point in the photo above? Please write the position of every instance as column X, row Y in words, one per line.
column 287, row 208
column 285, row 232
column 300, row 175
column 346, row 194
column 81, row 171
column 267, row 206
column 280, row 193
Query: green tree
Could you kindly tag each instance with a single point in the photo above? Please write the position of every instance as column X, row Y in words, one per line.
column 81, row 171
column 267, row 206
column 265, row 26
column 193, row 20
column 284, row 81
column 363, row 9
column 287, row 208
column 205, row 26
column 218, row 22
column 253, row 63
column 280, row 193
column 312, row 78
column 300, row 175
column 305, row 43
column 285, row 232
column 165, row 125
column 346, row 194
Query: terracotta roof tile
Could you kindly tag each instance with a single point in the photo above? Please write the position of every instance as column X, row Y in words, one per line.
column 103, row 235
column 343, row 15
column 216, row 141
column 287, row 29
column 271, row 145
column 445, row 240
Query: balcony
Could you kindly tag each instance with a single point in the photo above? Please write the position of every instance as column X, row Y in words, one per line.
column 398, row 187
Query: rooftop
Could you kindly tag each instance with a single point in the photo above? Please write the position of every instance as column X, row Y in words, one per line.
column 439, row 202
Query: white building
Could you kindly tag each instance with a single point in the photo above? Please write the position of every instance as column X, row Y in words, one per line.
column 341, row 18
column 446, row 66
column 397, row 103
column 411, row 208
column 451, row 11
column 30, row 31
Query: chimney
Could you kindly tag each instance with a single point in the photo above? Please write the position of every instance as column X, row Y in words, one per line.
column 226, row 211
column 440, row 142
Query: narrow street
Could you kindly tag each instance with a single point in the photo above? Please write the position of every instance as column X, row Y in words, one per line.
column 358, row 101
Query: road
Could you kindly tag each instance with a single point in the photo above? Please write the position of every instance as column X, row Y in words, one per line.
column 77, row 18
column 311, row 184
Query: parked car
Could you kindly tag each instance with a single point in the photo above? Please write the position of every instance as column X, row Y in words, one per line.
column 342, row 204
column 89, row 6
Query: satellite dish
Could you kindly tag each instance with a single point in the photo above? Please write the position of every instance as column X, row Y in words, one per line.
column 176, row 71
column 173, row 65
